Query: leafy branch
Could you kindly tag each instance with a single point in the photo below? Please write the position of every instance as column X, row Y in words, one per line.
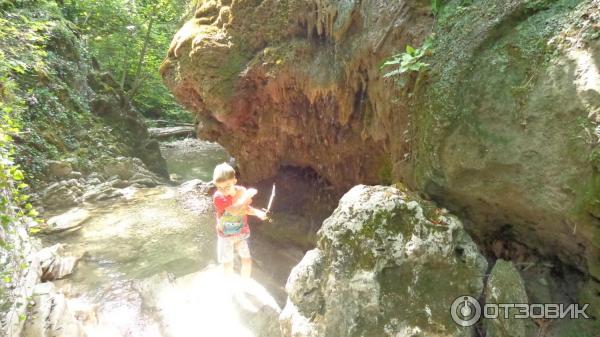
column 408, row 61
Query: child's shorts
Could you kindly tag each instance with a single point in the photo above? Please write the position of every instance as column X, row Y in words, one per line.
column 226, row 245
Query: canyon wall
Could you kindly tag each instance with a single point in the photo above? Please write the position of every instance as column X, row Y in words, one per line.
column 500, row 126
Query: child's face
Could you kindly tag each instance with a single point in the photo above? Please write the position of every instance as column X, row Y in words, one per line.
column 227, row 187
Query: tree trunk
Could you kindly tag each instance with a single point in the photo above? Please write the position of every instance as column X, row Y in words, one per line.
column 138, row 70
column 124, row 74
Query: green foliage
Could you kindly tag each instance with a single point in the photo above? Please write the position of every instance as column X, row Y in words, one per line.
column 15, row 211
column 435, row 7
column 409, row 61
column 129, row 39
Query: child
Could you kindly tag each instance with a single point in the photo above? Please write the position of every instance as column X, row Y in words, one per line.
column 232, row 203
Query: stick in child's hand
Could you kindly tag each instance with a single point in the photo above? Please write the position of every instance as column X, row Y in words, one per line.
column 267, row 210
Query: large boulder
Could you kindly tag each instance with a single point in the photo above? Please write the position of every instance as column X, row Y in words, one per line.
column 378, row 270
column 296, row 83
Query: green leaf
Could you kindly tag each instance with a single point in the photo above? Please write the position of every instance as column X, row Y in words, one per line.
column 34, row 230
column 18, row 175
column 392, row 62
column 392, row 73
column 410, row 50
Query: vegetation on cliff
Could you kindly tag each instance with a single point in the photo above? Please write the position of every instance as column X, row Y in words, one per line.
column 129, row 38
column 16, row 214
column 68, row 108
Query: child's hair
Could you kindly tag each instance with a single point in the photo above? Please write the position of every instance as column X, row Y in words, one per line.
column 223, row 172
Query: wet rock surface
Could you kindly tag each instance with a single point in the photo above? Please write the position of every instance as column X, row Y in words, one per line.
column 53, row 315
column 216, row 305
column 122, row 172
column 54, row 264
column 142, row 255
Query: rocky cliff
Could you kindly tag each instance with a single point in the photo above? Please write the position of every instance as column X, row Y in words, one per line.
column 506, row 123
column 286, row 83
column 501, row 126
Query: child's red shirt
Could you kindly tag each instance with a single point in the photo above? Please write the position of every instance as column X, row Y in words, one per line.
column 221, row 202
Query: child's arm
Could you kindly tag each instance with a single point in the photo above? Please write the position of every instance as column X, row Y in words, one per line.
column 219, row 224
column 256, row 212
column 242, row 201
column 218, row 213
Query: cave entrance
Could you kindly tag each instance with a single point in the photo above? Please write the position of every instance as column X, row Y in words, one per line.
column 303, row 200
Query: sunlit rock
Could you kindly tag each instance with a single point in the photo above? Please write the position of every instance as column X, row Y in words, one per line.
column 54, row 264
column 209, row 303
column 53, row 316
column 386, row 264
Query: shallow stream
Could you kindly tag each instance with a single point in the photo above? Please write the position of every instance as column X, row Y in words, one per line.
column 152, row 231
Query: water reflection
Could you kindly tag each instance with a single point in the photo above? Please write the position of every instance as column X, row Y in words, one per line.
column 191, row 158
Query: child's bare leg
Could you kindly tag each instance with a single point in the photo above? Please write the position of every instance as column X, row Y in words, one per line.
column 246, row 267
column 242, row 249
column 225, row 255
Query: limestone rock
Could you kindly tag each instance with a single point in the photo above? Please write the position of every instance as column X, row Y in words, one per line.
column 16, row 293
column 589, row 294
column 71, row 219
column 295, row 82
column 507, row 120
column 132, row 169
column 60, row 194
column 52, row 315
column 111, row 103
column 121, row 167
column 54, row 265
column 60, row 169
column 376, row 270
column 75, row 175
column 505, row 285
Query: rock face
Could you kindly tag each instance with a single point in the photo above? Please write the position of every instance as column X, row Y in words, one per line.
column 507, row 123
column 111, row 103
column 53, row 315
column 378, row 270
column 501, row 127
column 505, row 285
column 289, row 83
